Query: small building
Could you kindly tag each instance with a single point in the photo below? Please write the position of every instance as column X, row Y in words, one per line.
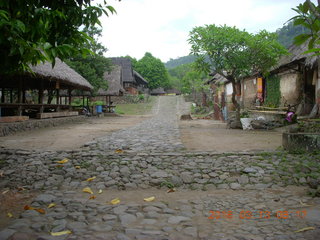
column 131, row 80
column 44, row 81
column 157, row 92
column 115, row 88
column 173, row 92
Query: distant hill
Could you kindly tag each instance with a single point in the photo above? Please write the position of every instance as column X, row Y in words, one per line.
column 172, row 63
column 287, row 33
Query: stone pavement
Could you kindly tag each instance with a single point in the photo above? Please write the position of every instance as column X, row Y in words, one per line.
column 235, row 196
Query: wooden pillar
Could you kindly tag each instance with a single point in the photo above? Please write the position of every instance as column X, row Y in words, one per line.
column 11, row 96
column 58, row 99
column 19, row 97
column 2, row 95
column 19, row 91
column 40, row 95
column 70, row 98
column 24, row 96
column 82, row 101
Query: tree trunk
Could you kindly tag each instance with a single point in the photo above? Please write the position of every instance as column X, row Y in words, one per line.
column 204, row 99
column 234, row 101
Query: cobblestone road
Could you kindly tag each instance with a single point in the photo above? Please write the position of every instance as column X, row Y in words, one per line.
column 235, row 196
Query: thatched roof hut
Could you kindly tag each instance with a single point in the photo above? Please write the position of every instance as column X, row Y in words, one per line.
column 114, row 83
column 158, row 91
column 217, row 79
column 126, row 69
column 65, row 76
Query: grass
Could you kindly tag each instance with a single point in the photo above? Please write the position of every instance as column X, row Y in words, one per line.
column 136, row 108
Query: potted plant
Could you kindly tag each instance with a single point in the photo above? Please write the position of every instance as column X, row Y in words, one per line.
column 245, row 120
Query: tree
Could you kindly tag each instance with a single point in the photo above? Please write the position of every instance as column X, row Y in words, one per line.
column 309, row 17
column 34, row 31
column 92, row 67
column 153, row 70
column 234, row 53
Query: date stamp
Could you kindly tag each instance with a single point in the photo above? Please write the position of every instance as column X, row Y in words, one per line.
column 257, row 214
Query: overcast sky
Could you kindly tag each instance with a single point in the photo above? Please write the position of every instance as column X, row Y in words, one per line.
column 162, row 26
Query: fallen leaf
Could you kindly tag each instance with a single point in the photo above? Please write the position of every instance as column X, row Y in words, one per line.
column 100, row 191
column 171, row 190
column 6, row 191
column 59, row 166
column 87, row 190
column 61, row 233
column 1, row 173
column 21, row 189
column 9, row 215
column 150, row 199
column 92, row 197
column 115, row 201
column 27, row 207
column 40, row 210
column 51, row 205
column 90, row 179
column 77, row 167
column 304, row 204
column 65, row 160
column 304, row 229
column 119, row 151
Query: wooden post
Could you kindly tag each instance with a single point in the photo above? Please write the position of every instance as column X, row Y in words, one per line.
column 24, row 100
column 70, row 98
column 19, row 97
column 11, row 96
column 2, row 95
column 40, row 97
column 58, row 99
column 83, row 101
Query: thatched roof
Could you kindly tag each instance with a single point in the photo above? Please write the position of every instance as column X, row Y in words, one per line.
column 45, row 76
column 217, row 79
column 114, row 82
column 139, row 79
column 296, row 54
column 159, row 90
column 62, row 72
column 126, row 68
column 176, row 91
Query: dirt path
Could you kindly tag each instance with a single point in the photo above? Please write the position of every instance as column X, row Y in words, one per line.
column 209, row 135
column 69, row 136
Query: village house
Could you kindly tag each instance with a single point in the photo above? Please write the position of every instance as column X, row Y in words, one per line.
column 132, row 81
column 221, row 90
column 158, row 92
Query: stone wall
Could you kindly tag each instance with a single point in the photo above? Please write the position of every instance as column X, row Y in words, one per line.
column 11, row 128
column 141, row 170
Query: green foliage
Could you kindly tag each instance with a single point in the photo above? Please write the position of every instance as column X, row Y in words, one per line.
column 308, row 17
column 153, row 70
column 35, row 31
column 234, row 53
column 173, row 63
column 92, row 67
column 273, row 91
column 187, row 79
